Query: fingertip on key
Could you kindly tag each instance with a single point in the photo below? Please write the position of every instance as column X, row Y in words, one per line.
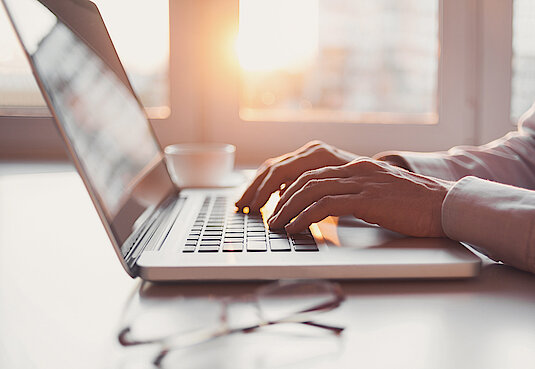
column 289, row 227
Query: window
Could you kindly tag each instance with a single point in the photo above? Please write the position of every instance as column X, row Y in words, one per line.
column 141, row 38
column 362, row 75
column 338, row 60
column 360, row 95
column 523, row 79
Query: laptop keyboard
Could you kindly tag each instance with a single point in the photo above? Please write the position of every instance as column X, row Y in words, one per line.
column 219, row 228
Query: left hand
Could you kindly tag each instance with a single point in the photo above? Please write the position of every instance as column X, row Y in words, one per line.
column 373, row 191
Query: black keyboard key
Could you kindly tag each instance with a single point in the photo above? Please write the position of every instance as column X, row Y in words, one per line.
column 307, row 241
column 256, row 246
column 210, row 243
column 234, row 226
column 212, row 233
column 275, row 236
column 255, row 233
column 209, row 249
column 233, row 237
column 279, row 245
column 313, row 247
column 233, row 247
column 256, row 227
column 210, row 238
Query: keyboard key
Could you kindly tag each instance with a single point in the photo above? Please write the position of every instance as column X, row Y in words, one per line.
column 256, row 246
column 235, row 226
column 209, row 249
column 306, row 247
column 279, row 245
column 279, row 236
column 301, row 236
column 234, row 237
column 232, row 247
column 188, row 248
column 213, row 233
column 213, row 228
column 210, row 243
column 304, row 242
column 256, row 227
column 210, row 238
column 256, row 233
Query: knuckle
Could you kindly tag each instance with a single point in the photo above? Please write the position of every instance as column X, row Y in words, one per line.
column 311, row 183
column 325, row 202
column 269, row 162
column 321, row 149
column 273, row 169
column 308, row 175
column 366, row 164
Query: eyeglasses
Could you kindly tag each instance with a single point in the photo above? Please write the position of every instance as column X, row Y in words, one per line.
column 286, row 301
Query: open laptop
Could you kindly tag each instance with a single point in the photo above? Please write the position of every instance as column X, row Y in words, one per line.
column 162, row 233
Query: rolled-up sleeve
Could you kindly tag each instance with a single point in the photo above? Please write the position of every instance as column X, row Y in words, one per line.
column 497, row 218
column 509, row 160
column 492, row 204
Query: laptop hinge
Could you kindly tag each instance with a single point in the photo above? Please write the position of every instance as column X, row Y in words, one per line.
column 155, row 230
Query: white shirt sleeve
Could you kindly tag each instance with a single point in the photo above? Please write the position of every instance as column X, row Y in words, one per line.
column 509, row 160
column 497, row 217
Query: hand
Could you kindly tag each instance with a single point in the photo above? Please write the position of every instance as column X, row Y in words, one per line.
column 283, row 170
column 373, row 191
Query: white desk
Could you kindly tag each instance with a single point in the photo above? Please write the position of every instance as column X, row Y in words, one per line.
column 62, row 293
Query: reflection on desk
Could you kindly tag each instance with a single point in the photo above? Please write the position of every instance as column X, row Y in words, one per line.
column 63, row 293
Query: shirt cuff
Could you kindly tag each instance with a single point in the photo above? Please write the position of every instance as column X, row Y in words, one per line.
column 430, row 164
column 496, row 218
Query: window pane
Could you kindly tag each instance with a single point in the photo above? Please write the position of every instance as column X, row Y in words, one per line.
column 140, row 32
column 338, row 59
column 523, row 80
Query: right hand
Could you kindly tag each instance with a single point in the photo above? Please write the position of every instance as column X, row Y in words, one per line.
column 285, row 169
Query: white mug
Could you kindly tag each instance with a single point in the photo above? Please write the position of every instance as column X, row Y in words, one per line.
column 200, row 164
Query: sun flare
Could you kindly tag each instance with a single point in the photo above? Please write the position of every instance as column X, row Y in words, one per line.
column 277, row 34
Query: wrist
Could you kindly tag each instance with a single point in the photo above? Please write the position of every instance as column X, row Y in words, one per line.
column 395, row 160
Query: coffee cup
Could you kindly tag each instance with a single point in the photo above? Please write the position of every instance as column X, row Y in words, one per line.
column 200, row 164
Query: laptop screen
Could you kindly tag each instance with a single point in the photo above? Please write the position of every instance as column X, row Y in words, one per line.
column 93, row 102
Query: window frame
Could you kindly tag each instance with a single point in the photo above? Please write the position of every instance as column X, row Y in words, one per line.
column 473, row 81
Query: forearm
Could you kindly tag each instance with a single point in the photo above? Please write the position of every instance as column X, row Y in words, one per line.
column 509, row 160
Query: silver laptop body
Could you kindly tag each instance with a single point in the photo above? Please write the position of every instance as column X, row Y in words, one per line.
column 161, row 233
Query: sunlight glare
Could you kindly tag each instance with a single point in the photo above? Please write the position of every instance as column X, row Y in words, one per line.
column 277, row 34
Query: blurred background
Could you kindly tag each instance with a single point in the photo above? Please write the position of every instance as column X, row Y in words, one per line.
column 308, row 64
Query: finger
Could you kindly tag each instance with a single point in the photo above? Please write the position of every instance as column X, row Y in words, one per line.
column 261, row 173
column 250, row 193
column 337, row 205
column 277, row 174
column 313, row 191
column 322, row 173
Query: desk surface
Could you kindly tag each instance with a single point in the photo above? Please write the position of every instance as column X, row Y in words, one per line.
column 62, row 295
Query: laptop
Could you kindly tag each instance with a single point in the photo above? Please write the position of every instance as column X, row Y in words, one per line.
column 160, row 232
